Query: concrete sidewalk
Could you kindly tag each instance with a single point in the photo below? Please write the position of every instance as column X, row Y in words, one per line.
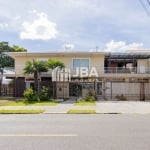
column 123, row 107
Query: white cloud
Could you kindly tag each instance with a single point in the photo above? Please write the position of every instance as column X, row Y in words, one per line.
column 3, row 25
column 121, row 46
column 40, row 28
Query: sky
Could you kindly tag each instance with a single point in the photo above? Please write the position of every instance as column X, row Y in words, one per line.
column 76, row 25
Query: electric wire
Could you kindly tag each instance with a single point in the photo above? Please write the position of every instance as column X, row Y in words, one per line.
column 145, row 8
column 148, row 1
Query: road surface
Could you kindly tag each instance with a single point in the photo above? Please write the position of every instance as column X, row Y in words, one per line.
column 75, row 132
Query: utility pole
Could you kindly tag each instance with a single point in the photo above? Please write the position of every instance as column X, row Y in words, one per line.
column 97, row 48
column 1, row 71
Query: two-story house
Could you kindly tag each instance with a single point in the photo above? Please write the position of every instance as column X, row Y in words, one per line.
column 72, row 60
column 107, row 74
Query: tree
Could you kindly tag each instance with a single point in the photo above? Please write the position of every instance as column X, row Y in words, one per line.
column 6, row 61
column 35, row 68
column 53, row 63
column 17, row 48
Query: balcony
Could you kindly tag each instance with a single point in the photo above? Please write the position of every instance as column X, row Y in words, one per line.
column 132, row 70
column 139, row 72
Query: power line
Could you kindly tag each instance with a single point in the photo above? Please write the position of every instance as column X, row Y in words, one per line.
column 145, row 8
column 148, row 1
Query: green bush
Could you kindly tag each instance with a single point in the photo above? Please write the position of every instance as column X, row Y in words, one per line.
column 30, row 96
column 89, row 99
column 44, row 94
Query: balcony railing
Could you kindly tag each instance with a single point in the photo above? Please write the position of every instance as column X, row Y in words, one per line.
column 132, row 70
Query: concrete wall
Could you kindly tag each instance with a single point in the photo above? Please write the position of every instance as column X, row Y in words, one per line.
column 143, row 65
column 142, row 62
column 95, row 61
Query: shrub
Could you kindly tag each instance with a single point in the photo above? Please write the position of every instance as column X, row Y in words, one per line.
column 147, row 97
column 30, row 95
column 89, row 99
column 44, row 94
column 121, row 97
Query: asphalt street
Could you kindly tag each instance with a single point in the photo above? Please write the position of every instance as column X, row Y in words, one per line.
column 75, row 132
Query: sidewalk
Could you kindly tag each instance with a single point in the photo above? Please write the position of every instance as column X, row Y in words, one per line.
column 123, row 107
column 106, row 107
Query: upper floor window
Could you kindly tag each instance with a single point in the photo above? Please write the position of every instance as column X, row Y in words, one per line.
column 81, row 62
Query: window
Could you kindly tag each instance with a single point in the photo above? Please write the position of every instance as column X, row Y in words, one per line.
column 80, row 63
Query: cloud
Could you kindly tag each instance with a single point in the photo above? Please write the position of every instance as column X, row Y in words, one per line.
column 125, row 20
column 40, row 28
column 3, row 25
column 121, row 46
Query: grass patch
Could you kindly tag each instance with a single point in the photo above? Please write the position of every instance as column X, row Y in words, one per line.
column 7, row 98
column 13, row 103
column 76, row 111
column 21, row 111
column 44, row 104
column 84, row 103
column 22, row 103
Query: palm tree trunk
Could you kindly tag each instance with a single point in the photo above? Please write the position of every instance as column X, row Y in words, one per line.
column 36, row 81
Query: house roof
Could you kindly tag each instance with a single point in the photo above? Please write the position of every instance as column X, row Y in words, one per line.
column 139, row 54
column 42, row 54
column 130, row 55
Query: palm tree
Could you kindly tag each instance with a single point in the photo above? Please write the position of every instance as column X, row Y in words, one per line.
column 35, row 68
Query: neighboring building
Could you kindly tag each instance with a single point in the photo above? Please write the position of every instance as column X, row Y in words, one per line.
column 109, row 75
column 6, row 85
